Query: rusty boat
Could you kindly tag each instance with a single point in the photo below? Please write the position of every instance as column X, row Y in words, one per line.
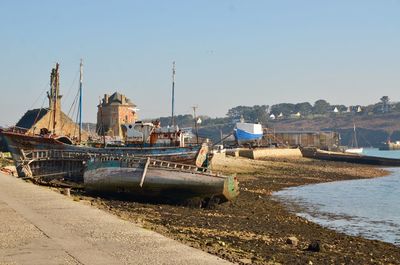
column 148, row 177
column 41, row 156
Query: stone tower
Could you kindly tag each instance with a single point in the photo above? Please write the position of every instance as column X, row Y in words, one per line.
column 113, row 111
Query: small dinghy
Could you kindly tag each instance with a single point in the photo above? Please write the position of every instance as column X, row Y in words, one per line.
column 147, row 177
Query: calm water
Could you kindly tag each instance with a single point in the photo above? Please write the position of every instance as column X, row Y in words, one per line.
column 369, row 207
column 376, row 152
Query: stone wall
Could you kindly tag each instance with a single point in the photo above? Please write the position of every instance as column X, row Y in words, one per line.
column 260, row 153
column 113, row 116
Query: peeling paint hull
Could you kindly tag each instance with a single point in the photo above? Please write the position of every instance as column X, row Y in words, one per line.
column 119, row 176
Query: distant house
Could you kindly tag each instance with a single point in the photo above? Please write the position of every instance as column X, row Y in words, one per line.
column 272, row 116
column 356, row 108
column 335, row 110
column 295, row 115
column 113, row 112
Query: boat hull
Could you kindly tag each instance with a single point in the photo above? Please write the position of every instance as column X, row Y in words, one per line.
column 315, row 153
column 136, row 179
column 242, row 136
column 354, row 150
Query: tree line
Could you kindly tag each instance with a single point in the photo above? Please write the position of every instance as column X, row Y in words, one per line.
column 262, row 113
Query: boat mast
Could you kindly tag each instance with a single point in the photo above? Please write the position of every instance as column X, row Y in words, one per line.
column 102, row 124
column 54, row 91
column 195, row 123
column 355, row 136
column 80, row 99
column 173, row 94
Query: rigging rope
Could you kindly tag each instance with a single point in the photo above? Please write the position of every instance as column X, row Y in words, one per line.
column 72, row 108
column 40, row 95
column 37, row 116
column 72, row 85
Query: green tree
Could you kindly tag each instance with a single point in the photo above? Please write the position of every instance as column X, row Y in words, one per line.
column 321, row 106
column 285, row 108
column 257, row 113
column 385, row 104
column 305, row 108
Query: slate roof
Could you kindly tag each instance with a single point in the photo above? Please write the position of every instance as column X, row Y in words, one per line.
column 117, row 98
column 30, row 117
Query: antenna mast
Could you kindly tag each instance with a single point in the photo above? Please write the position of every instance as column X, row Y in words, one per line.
column 173, row 94
column 80, row 99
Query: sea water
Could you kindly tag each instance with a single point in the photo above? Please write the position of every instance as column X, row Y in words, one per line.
column 369, row 207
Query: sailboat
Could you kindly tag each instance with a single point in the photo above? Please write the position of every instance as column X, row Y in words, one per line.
column 354, row 143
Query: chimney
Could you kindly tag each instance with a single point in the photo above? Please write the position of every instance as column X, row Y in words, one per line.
column 106, row 99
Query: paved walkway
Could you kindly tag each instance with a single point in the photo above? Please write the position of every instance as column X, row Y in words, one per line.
column 40, row 226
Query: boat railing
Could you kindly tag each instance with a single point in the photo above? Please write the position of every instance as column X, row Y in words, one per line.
column 131, row 160
column 56, row 154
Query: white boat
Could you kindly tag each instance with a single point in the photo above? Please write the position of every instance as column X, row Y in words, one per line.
column 354, row 150
column 247, row 132
column 354, row 143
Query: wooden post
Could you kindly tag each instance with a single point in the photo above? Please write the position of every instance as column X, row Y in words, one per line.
column 144, row 171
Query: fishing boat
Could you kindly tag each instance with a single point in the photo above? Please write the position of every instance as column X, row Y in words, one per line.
column 247, row 133
column 354, row 150
column 19, row 144
column 148, row 177
column 315, row 153
column 152, row 134
column 354, row 143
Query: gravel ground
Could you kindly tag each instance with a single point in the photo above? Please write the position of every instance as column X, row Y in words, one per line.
column 256, row 228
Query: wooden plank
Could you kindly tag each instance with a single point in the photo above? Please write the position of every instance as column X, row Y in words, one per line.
column 144, row 171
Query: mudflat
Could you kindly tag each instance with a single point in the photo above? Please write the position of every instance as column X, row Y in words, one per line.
column 256, row 229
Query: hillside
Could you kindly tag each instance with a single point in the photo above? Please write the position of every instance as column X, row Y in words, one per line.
column 372, row 130
column 389, row 122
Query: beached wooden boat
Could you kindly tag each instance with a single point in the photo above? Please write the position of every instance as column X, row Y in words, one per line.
column 155, row 178
column 20, row 145
column 312, row 152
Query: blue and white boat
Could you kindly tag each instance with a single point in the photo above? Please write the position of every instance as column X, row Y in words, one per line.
column 247, row 132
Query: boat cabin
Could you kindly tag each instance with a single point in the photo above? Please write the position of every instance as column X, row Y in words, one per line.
column 152, row 134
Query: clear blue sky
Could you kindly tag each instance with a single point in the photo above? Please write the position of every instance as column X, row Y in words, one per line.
column 227, row 52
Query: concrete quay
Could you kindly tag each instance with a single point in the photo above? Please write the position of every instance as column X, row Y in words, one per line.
column 40, row 226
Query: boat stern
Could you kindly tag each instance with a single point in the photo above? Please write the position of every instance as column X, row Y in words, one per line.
column 202, row 156
column 231, row 188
